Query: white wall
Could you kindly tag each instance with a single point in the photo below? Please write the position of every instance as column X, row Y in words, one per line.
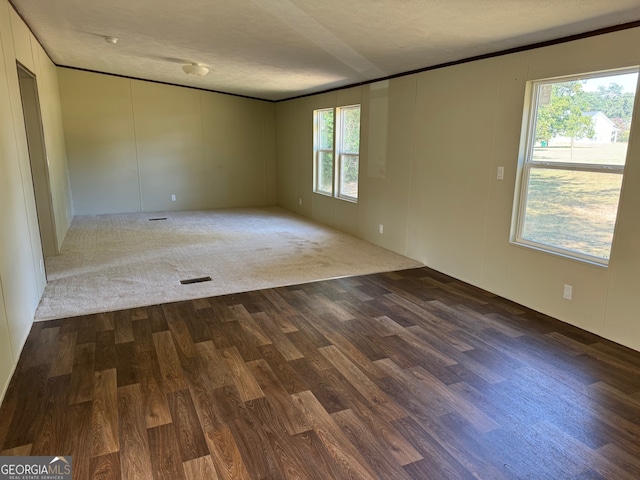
column 21, row 278
column 430, row 146
column 131, row 144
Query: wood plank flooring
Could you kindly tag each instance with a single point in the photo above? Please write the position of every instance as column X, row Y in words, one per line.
column 400, row 375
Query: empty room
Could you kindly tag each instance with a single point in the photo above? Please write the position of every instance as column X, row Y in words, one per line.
column 290, row 239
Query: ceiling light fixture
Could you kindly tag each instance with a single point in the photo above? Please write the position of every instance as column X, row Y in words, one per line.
column 195, row 69
column 111, row 40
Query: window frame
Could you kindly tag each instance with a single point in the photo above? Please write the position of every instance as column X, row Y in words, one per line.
column 317, row 151
column 527, row 164
column 341, row 151
column 338, row 152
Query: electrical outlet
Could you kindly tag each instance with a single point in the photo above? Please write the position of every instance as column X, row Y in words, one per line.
column 567, row 292
column 500, row 174
column 173, row 197
column 381, row 229
column 300, row 201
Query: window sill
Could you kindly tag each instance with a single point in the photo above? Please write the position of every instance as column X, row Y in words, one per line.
column 344, row 199
column 348, row 199
column 324, row 194
column 563, row 255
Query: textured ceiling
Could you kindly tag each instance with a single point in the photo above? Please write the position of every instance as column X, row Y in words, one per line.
column 277, row 49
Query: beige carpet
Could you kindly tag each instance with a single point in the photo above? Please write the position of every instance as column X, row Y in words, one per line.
column 112, row 262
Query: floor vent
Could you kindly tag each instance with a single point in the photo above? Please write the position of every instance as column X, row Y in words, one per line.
column 156, row 219
column 195, row 280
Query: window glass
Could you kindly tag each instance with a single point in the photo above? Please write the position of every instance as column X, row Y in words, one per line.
column 325, row 129
column 351, row 130
column 573, row 210
column 349, row 176
column 325, row 172
column 585, row 120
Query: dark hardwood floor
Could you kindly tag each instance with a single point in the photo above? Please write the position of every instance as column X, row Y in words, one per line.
column 400, row 375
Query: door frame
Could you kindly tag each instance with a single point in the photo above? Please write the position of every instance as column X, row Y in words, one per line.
column 38, row 161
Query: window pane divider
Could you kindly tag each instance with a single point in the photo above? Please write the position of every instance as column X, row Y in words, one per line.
column 582, row 167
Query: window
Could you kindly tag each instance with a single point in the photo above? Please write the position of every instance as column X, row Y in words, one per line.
column 348, row 151
column 337, row 160
column 576, row 150
column 323, row 120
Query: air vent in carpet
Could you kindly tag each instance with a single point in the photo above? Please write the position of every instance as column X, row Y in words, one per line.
column 156, row 219
column 195, row 280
